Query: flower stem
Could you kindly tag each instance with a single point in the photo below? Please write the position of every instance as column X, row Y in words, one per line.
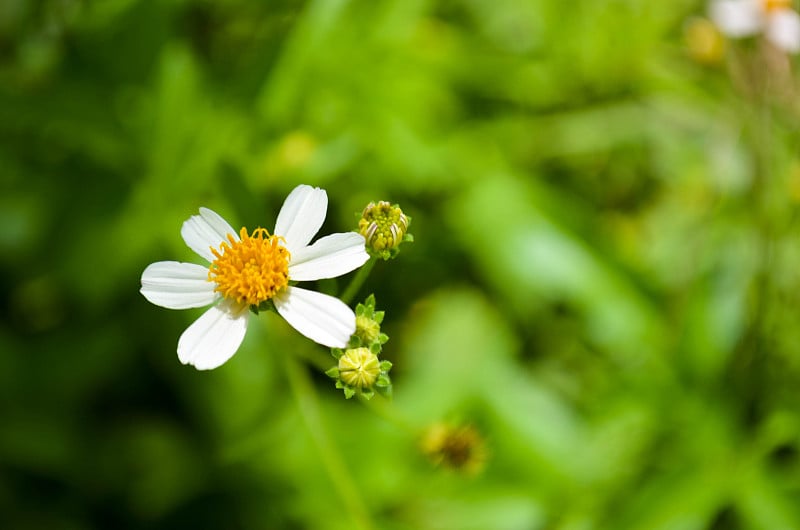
column 308, row 406
column 357, row 281
column 382, row 407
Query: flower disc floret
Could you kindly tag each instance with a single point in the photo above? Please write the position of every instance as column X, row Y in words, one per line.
column 251, row 270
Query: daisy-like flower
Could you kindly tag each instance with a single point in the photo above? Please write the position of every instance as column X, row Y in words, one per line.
column 776, row 19
column 249, row 269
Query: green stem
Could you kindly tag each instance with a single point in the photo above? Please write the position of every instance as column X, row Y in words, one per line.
column 308, row 406
column 316, row 357
column 357, row 281
column 384, row 408
column 749, row 365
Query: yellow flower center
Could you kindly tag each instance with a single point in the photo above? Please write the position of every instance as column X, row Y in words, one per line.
column 252, row 269
column 771, row 5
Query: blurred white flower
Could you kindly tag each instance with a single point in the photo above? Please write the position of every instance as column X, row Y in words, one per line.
column 247, row 270
column 776, row 19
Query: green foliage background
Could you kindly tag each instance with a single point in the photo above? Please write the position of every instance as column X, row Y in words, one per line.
column 604, row 280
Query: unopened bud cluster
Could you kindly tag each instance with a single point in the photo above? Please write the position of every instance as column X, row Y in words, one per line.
column 384, row 226
column 359, row 369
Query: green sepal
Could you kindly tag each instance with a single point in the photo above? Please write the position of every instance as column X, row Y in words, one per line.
column 377, row 316
column 385, row 391
column 408, row 238
column 386, row 366
column 383, row 338
column 337, row 353
column 370, row 301
column 383, row 380
column 367, row 394
column 348, row 390
column 266, row 305
column 333, row 373
column 366, row 309
column 375, row 348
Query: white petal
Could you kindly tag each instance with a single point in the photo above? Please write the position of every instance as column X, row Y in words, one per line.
column 321, row 318
column 301, row 216
column 177, row 285
column 328, row 257
column 213, row 338
column 200, row 232
column 737, row 18
column 783, row 30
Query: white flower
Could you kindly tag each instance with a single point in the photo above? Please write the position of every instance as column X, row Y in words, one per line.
column 776, row 19
column 246, row 270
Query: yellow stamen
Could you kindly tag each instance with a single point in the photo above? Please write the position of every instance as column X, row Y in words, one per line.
column 252, row 269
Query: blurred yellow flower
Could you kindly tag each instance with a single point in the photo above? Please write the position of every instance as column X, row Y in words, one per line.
column 704, row 42
column 461, row 448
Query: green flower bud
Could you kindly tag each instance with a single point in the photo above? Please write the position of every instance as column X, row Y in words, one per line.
column 384, row 226
column 359, row 368
column 367, row 329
